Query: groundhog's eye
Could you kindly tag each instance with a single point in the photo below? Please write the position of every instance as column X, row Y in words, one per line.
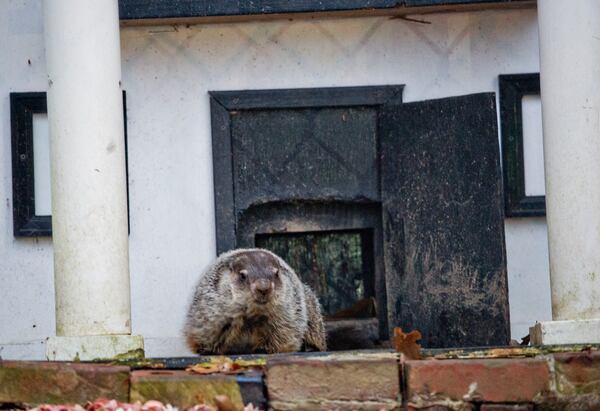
column 243, row 274
column 276, row 272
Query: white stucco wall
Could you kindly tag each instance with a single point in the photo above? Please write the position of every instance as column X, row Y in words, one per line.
column 167, row 72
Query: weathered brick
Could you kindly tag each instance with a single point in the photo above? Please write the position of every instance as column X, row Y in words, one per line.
column 442, row 406
column 577, row 373
column 490, row 380
column 344, row 381
column 506, row 407
column 61, row 383
column 579, row 402
column 181, row 388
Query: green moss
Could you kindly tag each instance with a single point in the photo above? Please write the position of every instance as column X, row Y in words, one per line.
column 133, row 358
column 257, row 362
column 186, row 393
column 506, row 352
column 133, row 355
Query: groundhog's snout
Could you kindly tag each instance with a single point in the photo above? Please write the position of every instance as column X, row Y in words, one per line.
column 262, row 289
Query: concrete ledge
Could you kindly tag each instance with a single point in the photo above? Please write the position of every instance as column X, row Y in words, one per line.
column 565, row 332
column 94, row 347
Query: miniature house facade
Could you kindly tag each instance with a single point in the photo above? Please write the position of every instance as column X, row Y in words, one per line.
column 411, row 135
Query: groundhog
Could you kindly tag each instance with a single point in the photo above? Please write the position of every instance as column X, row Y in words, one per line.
column 251, row 301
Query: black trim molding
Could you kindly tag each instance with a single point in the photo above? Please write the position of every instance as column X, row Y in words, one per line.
column 25, row 222
column 165, row 9
column 225, row 103
column 512, row 89
column 22, row 107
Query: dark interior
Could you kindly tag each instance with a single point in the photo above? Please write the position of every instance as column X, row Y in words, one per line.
column 391, row 211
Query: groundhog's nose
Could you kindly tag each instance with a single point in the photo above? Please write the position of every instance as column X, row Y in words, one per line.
column 262, row 288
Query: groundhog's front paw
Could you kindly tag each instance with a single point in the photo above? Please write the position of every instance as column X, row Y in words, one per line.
column 290, row 347
column 193, row 344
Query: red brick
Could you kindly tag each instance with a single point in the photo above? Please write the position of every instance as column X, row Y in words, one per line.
column 61, row 383
column 181, row 388
column 462, row 406
column 490, row 380
column 577, row 373
column 580, row 402
column 506, row 407
column 365, row 381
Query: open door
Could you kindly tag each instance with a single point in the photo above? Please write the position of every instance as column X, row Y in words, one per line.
column 443, row 221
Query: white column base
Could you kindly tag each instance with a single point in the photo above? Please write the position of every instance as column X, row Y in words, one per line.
column 565, row 332
column 93, row 347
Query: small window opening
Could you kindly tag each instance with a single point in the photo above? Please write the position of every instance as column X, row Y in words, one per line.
column 339, row 267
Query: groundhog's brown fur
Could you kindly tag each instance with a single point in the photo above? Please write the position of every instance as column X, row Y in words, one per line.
column 250, row 300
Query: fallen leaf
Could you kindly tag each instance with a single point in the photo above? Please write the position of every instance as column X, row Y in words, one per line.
column 215, row 365
column 223, row 403
column 202, row 407
column 225, row 365
column 407, row 343
column 153, row 405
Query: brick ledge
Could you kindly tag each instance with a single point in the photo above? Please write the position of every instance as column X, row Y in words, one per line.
column 522, row 379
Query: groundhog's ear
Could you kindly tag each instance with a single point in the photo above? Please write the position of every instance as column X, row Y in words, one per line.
column 235, row 264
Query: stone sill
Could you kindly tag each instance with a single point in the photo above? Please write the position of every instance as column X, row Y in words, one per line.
column 473, row 379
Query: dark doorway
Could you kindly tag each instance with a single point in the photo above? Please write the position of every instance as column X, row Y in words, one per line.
column 383, row 207
column 337, row 265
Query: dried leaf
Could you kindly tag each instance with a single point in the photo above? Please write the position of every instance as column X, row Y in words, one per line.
column 215, row 365
column 201, row 407
column 407, row 343
column 226, row 365
column 204, row 368
column 103, row 404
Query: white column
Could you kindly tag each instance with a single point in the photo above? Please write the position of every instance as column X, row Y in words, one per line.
column 570, row 90
column 89, row 204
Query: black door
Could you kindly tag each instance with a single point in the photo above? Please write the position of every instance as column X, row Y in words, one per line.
column 443, row 222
